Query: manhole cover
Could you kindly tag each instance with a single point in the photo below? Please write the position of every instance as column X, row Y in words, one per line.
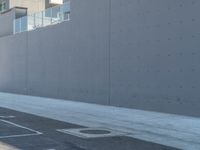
column 95, row 131
column 92, row 132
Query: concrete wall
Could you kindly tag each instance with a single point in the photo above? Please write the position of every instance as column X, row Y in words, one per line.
column 155, row 55
column 131, row 53
column 13, row 56
column 6, row 24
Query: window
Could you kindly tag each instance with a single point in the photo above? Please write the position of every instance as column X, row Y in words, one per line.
column 2, row 6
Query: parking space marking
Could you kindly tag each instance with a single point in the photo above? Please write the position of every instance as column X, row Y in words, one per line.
column 22, row 127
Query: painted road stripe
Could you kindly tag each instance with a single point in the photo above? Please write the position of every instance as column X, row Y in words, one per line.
column 19, row 126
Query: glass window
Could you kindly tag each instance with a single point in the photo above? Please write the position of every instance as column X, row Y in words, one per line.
column 2, row 6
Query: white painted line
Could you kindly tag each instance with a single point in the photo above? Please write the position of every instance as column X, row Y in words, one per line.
column 7, row 117
column 19, row 126
column 20, row 135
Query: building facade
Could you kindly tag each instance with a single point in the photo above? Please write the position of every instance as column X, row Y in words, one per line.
column 32, row 6
column 23, row 15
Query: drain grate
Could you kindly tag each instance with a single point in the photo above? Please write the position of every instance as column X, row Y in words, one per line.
column 91, row 132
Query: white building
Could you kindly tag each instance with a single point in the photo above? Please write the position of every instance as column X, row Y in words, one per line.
column 31, row 5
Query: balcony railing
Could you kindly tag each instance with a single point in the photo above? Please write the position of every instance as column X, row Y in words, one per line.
column 44, row 18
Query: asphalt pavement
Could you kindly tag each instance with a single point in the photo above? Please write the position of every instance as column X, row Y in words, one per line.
column 30, row 132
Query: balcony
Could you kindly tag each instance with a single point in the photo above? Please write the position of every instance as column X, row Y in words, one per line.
column 50, row 16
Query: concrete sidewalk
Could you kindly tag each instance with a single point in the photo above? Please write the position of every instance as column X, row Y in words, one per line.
column 171, row 130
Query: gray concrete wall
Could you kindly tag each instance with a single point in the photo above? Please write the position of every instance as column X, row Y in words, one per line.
column 13, row 57
column 6, row 24
column 155, row 55
column 130, row 53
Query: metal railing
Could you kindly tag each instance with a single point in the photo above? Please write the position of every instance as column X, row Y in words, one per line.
column 44, row 18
